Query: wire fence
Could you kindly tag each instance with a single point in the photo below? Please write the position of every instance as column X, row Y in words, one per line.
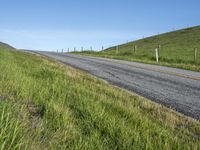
column 158, row 53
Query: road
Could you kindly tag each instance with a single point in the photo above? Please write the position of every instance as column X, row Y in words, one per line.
column 175, row 88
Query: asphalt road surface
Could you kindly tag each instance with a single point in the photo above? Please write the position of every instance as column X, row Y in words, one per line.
column 175, row 88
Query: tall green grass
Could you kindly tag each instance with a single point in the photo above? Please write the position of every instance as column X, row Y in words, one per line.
column 46, row 105
column 176, row 49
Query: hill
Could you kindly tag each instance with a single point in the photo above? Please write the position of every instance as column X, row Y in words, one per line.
column 176, row 49
column 4, row 45
column 180, row 40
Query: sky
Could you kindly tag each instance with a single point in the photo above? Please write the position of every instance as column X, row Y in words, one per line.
column 62, row 24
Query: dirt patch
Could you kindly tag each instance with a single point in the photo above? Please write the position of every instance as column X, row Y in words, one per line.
column 36, row 113
column 3, row 97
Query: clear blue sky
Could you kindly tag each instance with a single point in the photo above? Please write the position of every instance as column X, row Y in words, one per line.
column 57, row 24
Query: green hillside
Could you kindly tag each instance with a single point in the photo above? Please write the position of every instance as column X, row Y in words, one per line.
column 47, row 105
column 4, row 45
column 176, row 49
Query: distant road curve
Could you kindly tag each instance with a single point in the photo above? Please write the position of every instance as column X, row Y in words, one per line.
column 175, row 88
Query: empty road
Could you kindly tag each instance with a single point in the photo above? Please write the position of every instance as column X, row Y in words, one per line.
column 176, row 88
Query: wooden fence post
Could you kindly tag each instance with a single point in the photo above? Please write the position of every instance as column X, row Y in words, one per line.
column 135, row 48
column 157, row 59
column 117, row 49
column 195, row 54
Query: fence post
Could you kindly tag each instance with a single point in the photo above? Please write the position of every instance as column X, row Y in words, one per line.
column 135, row 48
column 195, row 54
column 157, row 59
column 117, row 49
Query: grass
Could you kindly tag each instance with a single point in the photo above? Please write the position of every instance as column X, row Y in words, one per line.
column 176, row 49
column 47, row 105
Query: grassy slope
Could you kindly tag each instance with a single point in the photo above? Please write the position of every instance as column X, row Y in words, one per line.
column 46, row 105
column 6, row 45
column 177, row 49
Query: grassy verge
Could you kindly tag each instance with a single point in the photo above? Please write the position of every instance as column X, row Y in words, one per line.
column 175, row 63
column 176, row 49
column 46, row 105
